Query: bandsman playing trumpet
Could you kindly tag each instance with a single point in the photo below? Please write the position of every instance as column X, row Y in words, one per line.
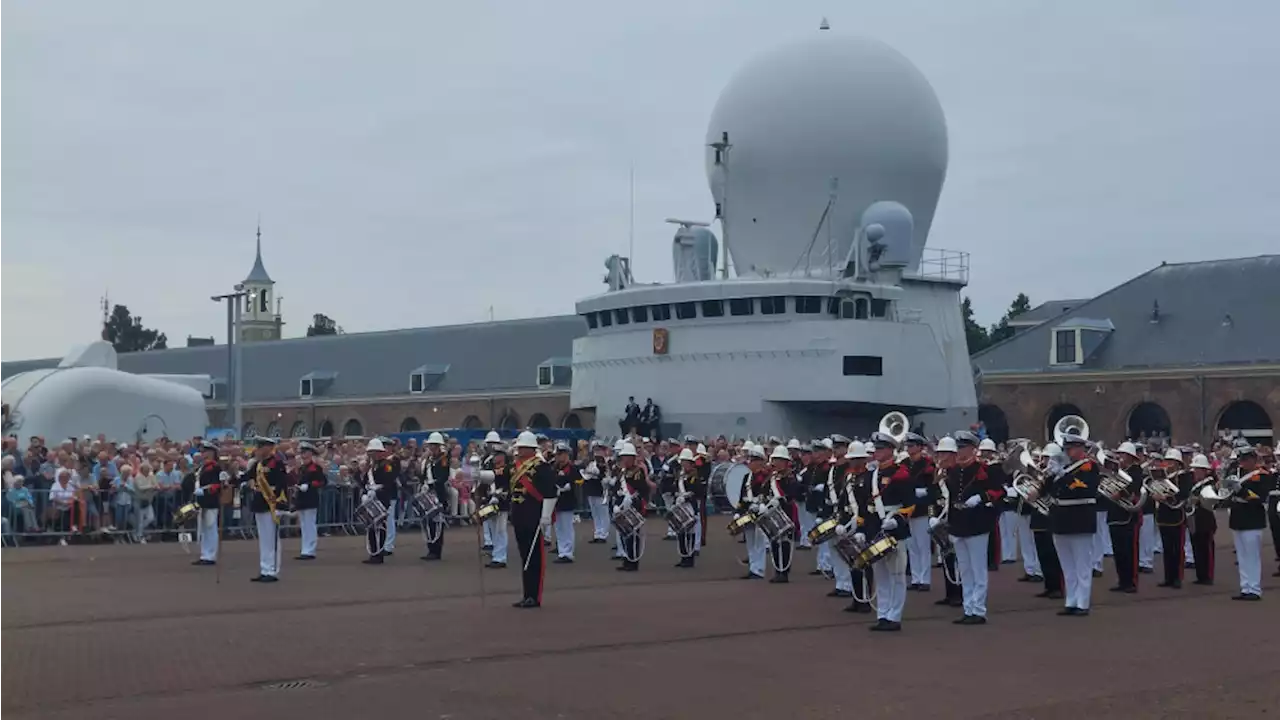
column 1074, row 520
column 1171, row 519
column 209, row 484
column 975, row 511
column 306, row 500
column 1250, row 490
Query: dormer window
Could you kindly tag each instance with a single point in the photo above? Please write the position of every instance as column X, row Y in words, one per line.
column 425, row 378
column 1078, row 340
column 305, row 388
column 416, row 382
column 556, row 371
column 316, row 383
column 1066, row 347
column 217, row 389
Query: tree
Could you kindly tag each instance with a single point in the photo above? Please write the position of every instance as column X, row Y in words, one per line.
column 323, row 325
column 126, row 333
column 974, row 334
column 1001, row 330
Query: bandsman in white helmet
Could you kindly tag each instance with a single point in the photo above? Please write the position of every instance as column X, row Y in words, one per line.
column 568, row 479
column 435, row 475
column 897, row 501
column 593, row 489
column 974, row 513
column 613, row 491
column 1123, row 525
column 1148, row 534
column 920, row 472
column 782, row 494
column 1202, row 524
column 1054, row 586
column 311, row 482
column 702, row 467
column 1003, row 548
column 633, row 491
column 1251, row 486
column 533, row 504
column 484, row 484
column 497, row 477
column 1172, row 520
column 947, row 472
column 848, row 499
column 267, row 469
column 687, row 489
column 831, row 466
column 381, row 482
column 210, row 481
column 753, row 497
column 1073, row 518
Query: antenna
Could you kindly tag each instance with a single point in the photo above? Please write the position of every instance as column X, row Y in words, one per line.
column 631, row 216
column 722, row 162
column 687, row 223
column 106, row 313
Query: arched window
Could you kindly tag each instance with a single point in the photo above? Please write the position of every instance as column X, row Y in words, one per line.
column 1246, row 419
column 1148, row 420
column 249, row 431
column 410, row 424
column 299, row 430
column 571, row 422
column 539, row 422
column 994, row 420
column 273, row 430
column 510, row 421
column 1056, row 413
column 326, row 428
column 352, row 428
column 472, row 423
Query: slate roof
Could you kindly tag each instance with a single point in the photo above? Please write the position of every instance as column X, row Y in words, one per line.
column 1213, row 313
column 1045, row 311
column 480, row 357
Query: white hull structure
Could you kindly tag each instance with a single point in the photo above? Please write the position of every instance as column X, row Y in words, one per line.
column 825, row 159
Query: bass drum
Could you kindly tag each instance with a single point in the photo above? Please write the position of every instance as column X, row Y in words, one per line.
column 727, row 481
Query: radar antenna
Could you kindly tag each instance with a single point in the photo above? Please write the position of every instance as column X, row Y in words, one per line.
column 722, row 167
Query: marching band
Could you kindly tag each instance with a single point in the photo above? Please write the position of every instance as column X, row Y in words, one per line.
column 881, row 514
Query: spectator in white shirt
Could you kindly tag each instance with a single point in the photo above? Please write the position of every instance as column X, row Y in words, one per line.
column 62, row 499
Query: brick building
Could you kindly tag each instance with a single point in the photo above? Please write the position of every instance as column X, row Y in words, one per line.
column 1188, row 350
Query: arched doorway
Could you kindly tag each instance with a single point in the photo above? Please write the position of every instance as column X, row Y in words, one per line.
column 273, row 430
column 472, row 423
column 510, row 421
column 249, row 431
column 410, row 424
column 1148, row 420
column 326, row 429
column 571, row 422
column 1056, row 413
column 539, row 422
column 1246, row 419
column 994, row 420
column 352, row 428
column 299, row 430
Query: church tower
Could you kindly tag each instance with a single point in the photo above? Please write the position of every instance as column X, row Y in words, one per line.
column 258, row 319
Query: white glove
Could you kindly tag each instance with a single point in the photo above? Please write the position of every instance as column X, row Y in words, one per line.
column 820, row 487
column 973, row 501
column 1008, row 490
column 933, row 522
column 485, row 475
column 890, row 524
column 756, row 508
column 493, row 500
column 548, row 507
column 610, row 482
column 626, row 501
column 199, row 492
column 841, row 529
column 859, row 538
column 922, row 493
column 564, row 488
column 366, row 497
column 304, row 487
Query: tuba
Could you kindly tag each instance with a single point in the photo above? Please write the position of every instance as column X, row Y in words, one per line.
column 1070, row 425
column 1030, row 483
column 895, row 425
column 1162, row 488
column 1115, row 484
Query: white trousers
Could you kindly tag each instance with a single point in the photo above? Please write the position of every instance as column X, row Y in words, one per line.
column 1249, row 556
column 499, row 538
column 599, row 517
column 971, row 562
column 564, row 534
column 1187, row 552
column 844, row 577
column 1147, row 539
column 1075, row 552
column 390, row 544
column 1008, row 536
column 1101, row 540
column 486, row 528
column 307, row 519
column 825, row 557
column 918, row 551
column 757, row 549
column 617, row 543
column 268, row 544
column 1159, row 546
column 208, row 531
column 891, row 586
column 1027, row 541
column 807, row 521
column 697, row 533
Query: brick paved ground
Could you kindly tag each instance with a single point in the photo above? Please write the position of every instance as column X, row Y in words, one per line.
column 136, row 632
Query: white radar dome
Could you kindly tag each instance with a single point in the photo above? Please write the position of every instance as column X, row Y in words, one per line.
column 829, row 116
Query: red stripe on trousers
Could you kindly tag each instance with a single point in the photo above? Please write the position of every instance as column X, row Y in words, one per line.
column 1137, row 532
column 1182, row 552
column 1212, row 552
column 542, row 565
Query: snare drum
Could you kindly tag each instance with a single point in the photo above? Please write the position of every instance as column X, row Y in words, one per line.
column 878, row 550
column 628, row 521
column 740, row 522
column 484, row 512
column 941, row 535
column 427, row 504
column 823, row 531
column 682, row 518
column 371, row 513
column 186, row 514
column 848, row 548
column 776, row 524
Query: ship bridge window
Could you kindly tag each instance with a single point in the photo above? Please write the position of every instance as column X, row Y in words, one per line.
column 879, row 308
column 661, row 312
column 640, row 313
column 592, row 323
column 861, row 308
column 872, row 365
column 712, row 308
column 606, row 318
column 742, row 306
column 773, row 305
column 686, row 310
column 808, row 304
column 621, row 316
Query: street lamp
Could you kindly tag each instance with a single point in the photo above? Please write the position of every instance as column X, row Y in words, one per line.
column 233, row 352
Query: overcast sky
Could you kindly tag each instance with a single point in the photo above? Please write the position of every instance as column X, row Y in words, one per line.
column 416, row 163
